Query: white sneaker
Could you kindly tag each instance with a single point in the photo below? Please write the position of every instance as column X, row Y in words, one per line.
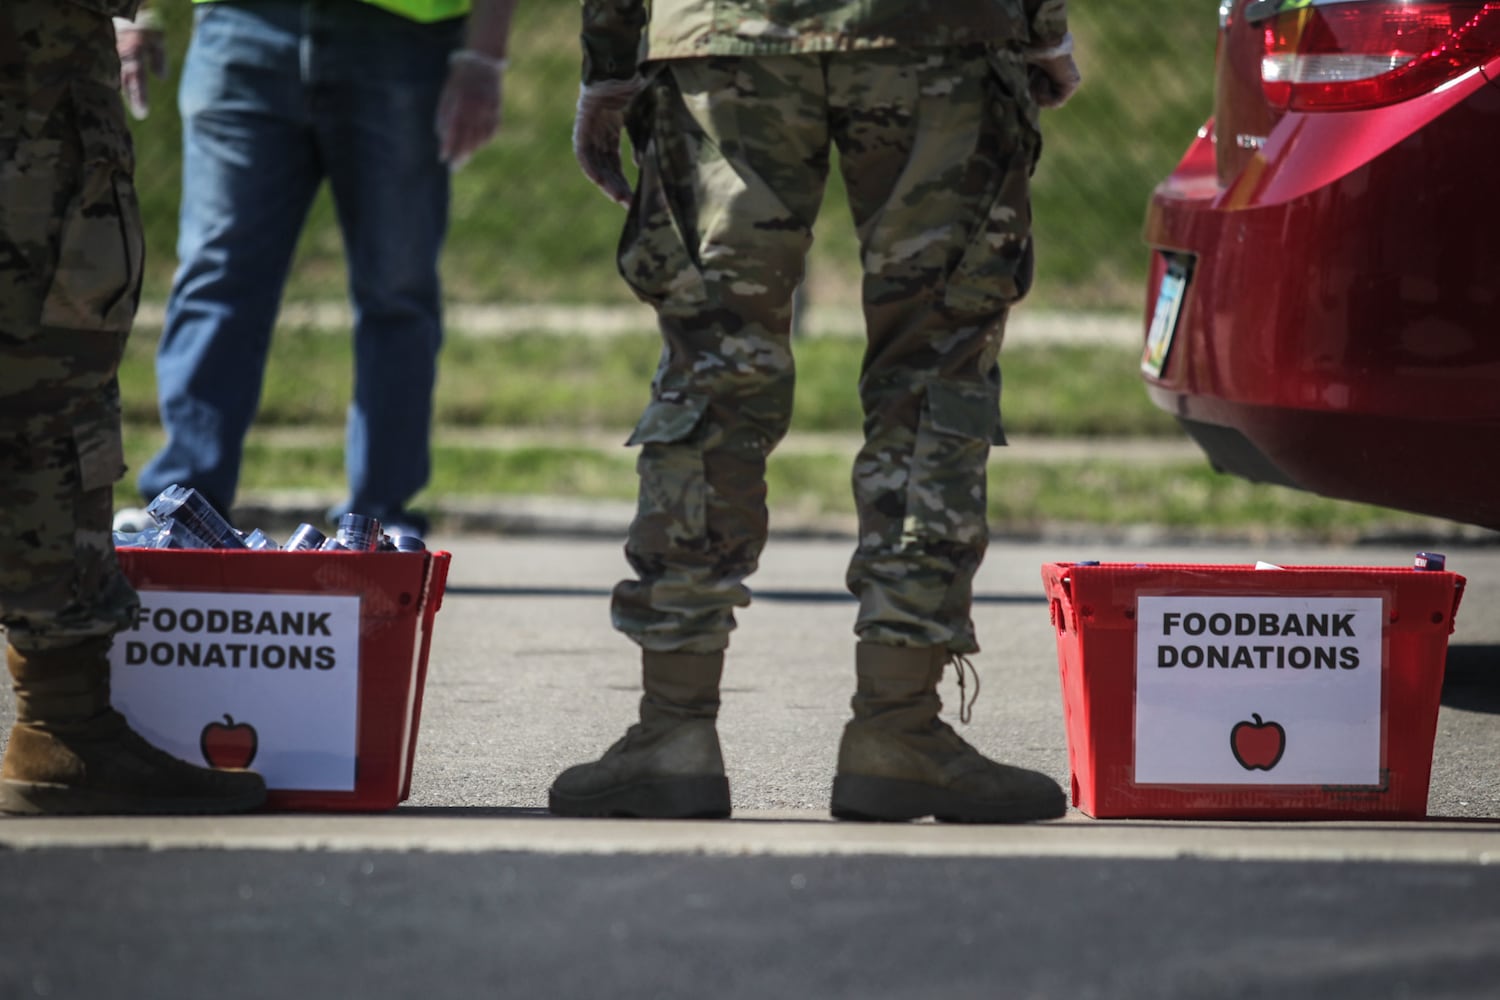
column 132, row 520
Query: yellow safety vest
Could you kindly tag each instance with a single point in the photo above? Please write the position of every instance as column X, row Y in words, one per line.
column 415, row 10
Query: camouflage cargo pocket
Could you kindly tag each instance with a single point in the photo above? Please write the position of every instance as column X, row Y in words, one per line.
column 673, row 489
column 947, row 490
column 655, row 256
column 996, row 268
column 101, row 447
column 101, row 248
column 28, row 229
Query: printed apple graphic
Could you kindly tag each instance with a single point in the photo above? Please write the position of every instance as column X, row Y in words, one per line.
column 228, row 743
column 1257, row 745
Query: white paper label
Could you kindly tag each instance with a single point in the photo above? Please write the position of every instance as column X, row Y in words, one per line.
column 265, row 681
column 1258, row 690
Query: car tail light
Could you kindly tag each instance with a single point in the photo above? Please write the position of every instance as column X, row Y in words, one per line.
column 1347, row 55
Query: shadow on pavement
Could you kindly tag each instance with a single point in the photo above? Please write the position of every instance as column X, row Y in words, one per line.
column 779, row 594
column 537, row 812
column 1471, row 679
column 475, row 812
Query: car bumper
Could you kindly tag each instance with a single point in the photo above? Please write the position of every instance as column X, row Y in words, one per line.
column 1339, row 330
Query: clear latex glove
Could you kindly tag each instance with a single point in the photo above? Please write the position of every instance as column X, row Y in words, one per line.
column 597, row 129
column 1052, row 74
column 142, row 47
column 468, row 112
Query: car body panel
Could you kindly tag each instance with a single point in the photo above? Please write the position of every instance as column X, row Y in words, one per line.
column 1340, row 327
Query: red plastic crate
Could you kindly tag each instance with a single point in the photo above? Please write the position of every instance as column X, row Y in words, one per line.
column 399, row 594
column 1096, row 610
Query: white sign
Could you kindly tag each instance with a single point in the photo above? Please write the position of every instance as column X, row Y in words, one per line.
column 265, row 681
column 1258, row 690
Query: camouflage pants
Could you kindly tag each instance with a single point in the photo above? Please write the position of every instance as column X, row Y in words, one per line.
column 936, row 149
column 70, row 265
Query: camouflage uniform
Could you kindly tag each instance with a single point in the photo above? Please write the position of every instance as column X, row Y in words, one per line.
column 927, row 103
column 70, row 268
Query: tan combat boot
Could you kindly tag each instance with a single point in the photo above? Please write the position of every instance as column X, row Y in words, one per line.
column 70, row 753
column 668, row 765
column 898, row 761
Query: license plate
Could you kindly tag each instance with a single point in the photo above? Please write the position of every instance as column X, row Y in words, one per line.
column 1164, row 320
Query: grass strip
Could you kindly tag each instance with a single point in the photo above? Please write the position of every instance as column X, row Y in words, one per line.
column 580, row 382
column 1023, row 495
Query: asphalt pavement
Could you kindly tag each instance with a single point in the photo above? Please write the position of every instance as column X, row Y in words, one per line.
column 471, row 888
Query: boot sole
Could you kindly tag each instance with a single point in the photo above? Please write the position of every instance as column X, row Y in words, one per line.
column 886, row 800
column 674, row 798
column 31, row 798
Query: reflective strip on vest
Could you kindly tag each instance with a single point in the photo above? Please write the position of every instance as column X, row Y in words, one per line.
column 424, row 11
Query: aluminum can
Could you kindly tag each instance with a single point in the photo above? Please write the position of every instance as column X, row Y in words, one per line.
column 359, row 533
column 305, row 539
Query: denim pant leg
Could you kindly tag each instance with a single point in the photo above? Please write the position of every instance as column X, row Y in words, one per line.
column 390, row 190
column 249, row 173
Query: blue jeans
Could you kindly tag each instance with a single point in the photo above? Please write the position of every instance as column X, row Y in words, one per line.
column 276, row 97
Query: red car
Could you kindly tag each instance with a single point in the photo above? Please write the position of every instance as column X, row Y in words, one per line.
column 1324, row 299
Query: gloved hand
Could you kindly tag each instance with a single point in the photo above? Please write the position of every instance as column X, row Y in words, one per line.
column 596, row 134
column 1052, row 74
column 468, row 112
column 142, row 47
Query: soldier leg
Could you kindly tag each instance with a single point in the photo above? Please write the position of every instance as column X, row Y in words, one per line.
column 715, row 240
column 70, row 258
column 937, row 149
column 70, row 270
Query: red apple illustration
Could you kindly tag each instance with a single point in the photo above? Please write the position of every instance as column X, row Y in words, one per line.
column 228, row 743
column 1257, row 745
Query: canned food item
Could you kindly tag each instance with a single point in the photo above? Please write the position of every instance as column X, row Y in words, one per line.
column 305, row 539
column 259, row 541
column 1430, row 561
column 409, row 543
column 359, row 533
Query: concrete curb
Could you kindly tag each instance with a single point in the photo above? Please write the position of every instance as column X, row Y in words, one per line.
column 1025, row 326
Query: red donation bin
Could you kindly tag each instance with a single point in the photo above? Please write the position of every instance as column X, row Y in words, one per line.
column 307, row 667
column 1237, row 692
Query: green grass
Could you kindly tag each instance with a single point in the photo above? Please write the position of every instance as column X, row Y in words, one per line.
column 573, row 381
column 1025, row 496
column 574, row 392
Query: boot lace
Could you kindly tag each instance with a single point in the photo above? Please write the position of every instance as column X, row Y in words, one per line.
column 962, row 666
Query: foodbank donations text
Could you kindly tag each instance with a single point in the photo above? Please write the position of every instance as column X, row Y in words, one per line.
column 1244, row 627
column 253, row 638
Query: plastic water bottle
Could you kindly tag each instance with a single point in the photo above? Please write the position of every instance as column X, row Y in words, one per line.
column 185, row 506
column 178, row 535
column 137, row 539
